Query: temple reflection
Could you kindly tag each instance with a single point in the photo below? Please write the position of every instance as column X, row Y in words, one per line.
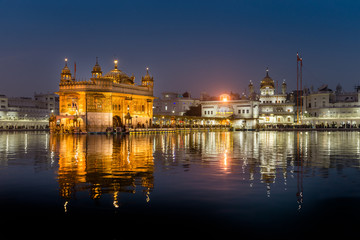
column 103, row 164
column 112, row 165
column 265, row 157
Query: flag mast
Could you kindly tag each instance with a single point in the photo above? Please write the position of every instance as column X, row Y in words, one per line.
column 299, row 103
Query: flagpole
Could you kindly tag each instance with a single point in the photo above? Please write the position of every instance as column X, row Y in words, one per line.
column 299, row 103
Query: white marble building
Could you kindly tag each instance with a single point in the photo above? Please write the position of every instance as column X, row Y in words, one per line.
column 243, row 112
column 331, row 108
column 275, row 108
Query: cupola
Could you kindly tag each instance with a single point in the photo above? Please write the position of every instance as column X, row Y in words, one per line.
column 65, row 73
column 96, row 72
column 147, row 80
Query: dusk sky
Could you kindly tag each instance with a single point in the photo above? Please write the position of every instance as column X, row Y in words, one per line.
column 195, row 46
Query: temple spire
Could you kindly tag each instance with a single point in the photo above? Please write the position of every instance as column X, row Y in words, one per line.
column 96, row 72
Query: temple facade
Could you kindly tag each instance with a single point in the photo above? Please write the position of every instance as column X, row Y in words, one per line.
column 242, row 112
column 275, row 108
column 110, row 101
column 268, row 108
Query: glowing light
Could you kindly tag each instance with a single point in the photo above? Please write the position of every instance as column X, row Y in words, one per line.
column 66, row 59
column 224, row 97
column 65, row 206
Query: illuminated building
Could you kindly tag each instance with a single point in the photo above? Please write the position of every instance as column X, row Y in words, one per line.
column 246, row 112
column 331, row 108
column 112, row 100
column 274, row 108
column 242, row 112
column 174, row 104
column 27, row 112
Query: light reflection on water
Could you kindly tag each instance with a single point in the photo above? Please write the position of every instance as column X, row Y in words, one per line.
column 233, row 177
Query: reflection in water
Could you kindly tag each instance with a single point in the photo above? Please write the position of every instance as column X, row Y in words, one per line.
column 262, row 162
column 103, row 165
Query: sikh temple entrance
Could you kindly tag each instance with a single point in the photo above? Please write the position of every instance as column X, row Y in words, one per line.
column 117, row 122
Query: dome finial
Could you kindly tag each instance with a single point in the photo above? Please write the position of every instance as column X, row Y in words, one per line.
column 116, row 63
column 267, row 81
column 96, row 72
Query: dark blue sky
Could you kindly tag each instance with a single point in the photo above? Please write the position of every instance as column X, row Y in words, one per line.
column 212, row 46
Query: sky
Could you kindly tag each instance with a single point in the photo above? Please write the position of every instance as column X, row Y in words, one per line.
column 189, row 45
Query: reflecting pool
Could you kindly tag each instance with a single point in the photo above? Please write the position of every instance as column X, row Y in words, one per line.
column 273, row 185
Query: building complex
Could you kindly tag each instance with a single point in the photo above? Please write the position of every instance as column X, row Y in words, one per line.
column 28, row 112
column 113, row 101
column 104, row 102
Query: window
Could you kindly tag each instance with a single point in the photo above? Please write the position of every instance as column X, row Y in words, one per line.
column 165, row 108
column 247, row 111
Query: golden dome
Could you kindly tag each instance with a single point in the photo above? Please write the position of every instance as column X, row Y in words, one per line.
column 147, row 77
column 267, row 82
column 96, row 68
column 65, row 72
column 66, row 69
column 118, row 76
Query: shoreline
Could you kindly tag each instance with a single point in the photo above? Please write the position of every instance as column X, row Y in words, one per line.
column 173, row 130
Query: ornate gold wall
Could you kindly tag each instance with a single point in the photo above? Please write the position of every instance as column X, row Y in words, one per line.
column 103, row 102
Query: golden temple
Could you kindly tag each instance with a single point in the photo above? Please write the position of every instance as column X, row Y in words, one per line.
column 104, row 103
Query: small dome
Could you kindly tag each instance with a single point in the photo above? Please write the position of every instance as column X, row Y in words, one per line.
column 147, row 76
column 65, row 70
column 119, row 76
column 96, row 68
column 267, row 82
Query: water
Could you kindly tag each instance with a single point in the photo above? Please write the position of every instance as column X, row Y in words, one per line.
column 273, row 185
